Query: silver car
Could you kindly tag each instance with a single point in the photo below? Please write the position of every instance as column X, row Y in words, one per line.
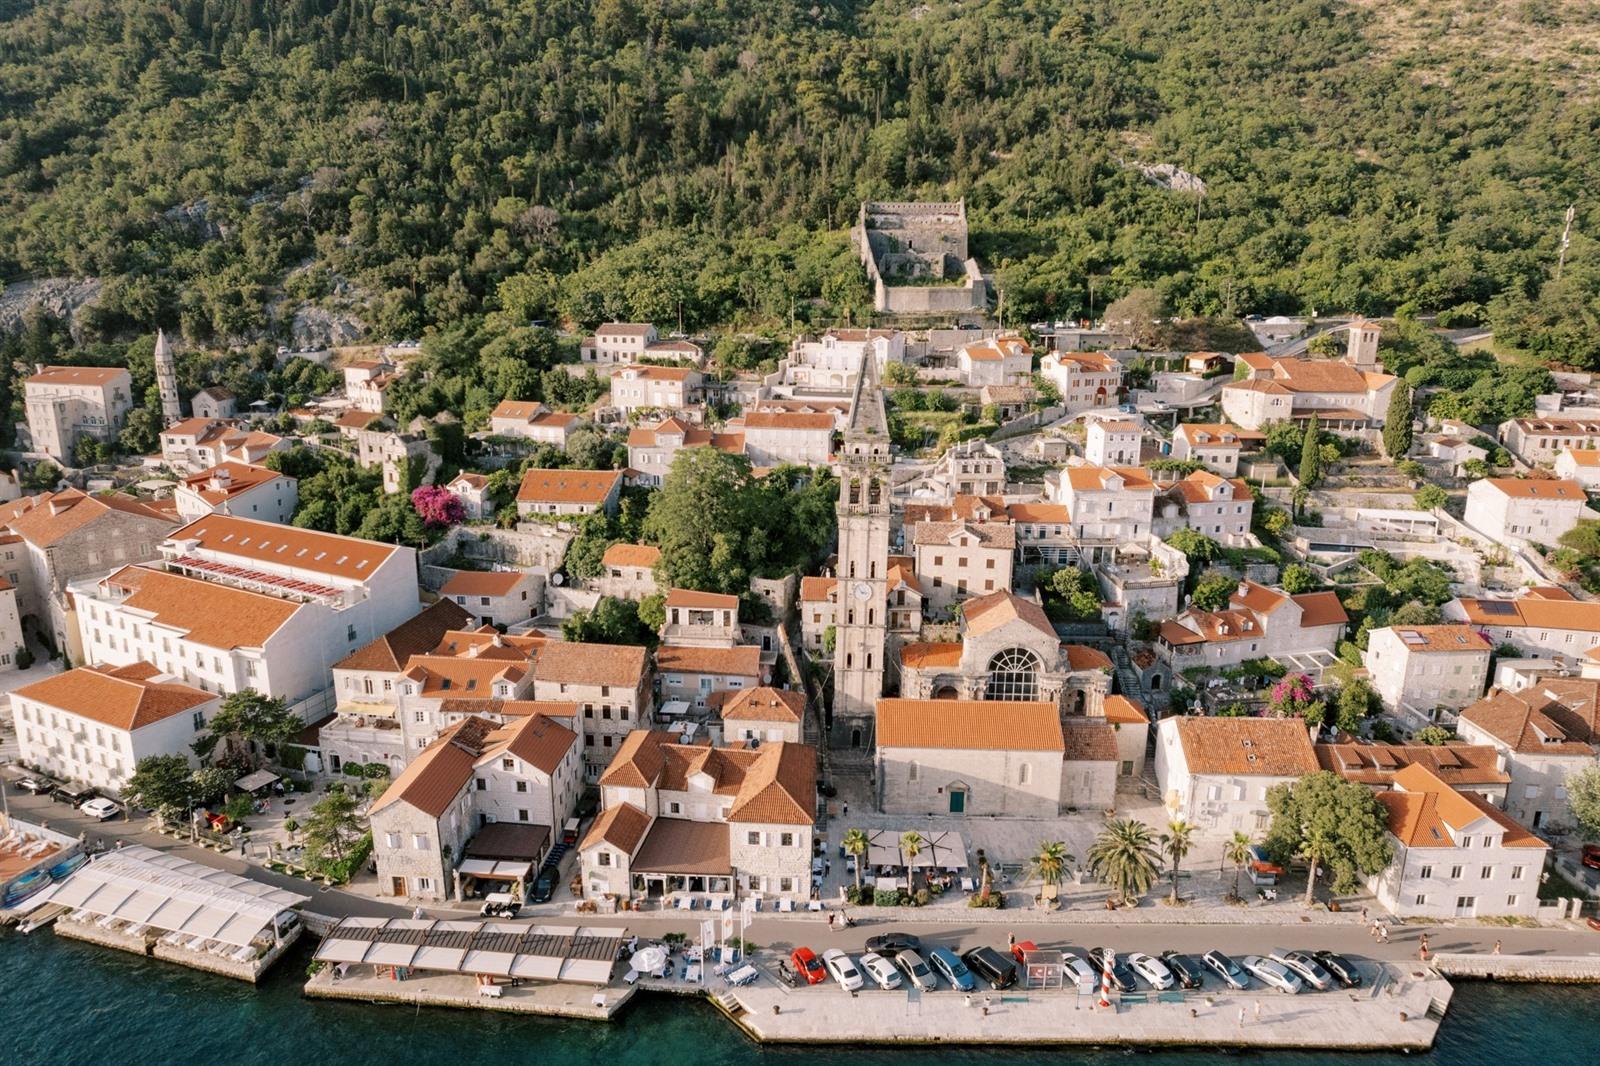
column 1078, row 972
column 1304, row 967
column 1272, row 974
column 1152, row 970
column 916, row 971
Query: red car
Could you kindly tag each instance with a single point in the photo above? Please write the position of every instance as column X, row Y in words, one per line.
column 1020, row 949
column 1591, row 856
column 808, row 966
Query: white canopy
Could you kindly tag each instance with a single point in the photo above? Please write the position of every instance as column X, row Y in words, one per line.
column 146, row 887
column 940, row 850
column 541, row 953
column 259, row 779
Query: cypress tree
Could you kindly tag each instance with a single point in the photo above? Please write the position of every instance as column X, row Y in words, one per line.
column 1397, row 423
column 1310, row 460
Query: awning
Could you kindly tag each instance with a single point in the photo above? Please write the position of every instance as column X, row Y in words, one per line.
column 259, row 779
column 544, row 953
column 673, row 707
column 500, row 871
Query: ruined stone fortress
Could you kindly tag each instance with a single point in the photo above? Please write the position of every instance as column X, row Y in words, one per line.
column 916, row 256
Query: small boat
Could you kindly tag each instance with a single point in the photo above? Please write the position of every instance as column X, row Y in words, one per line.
column 27, row 885
column 61, row 869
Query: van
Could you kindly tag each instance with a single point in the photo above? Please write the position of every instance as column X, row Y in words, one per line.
column 992, row 966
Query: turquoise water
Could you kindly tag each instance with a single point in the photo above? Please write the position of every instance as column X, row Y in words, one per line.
column 66, row 1003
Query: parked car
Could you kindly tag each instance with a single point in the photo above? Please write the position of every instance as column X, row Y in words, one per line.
column 1263, row 871
column 75, row 797
column 1078, row 972
column 891, row 944
column 1272, row 974
column 100, row 809
column 1343, row 970
column 808, row 966
column 916, row 971
column 843, row 969
column 1231, row 973
column 1591, row 852
column 1305, row 967
column 34, row 785
column 499, row 905
column 992, row 966
column 544, row 886
column 1186, row 968
column 1152, row 970
column 1121, row 977
column 881, row 970
column 948, row 965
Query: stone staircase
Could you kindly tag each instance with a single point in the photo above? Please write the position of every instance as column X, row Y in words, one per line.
column 1127, row 677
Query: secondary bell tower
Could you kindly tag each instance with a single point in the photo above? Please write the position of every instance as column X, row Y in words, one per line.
column 861, row 625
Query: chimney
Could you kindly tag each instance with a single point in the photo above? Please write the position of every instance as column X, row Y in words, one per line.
column 1243, row 590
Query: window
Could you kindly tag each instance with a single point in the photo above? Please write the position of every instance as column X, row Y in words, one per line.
column 1516, row 873
column 508, row 764
column 420, row 716
column 1024, row 774
column 1455, row 873
column 1511, row 900
column 753, row 838
column 482, row 785
column 1420, row 900
column 522, row 786
column 674, row 808
column 198, row 720
column 1013, row 675
column 1466, row 842
column 912, row 771
column 424, row 884
column 392, row 839
column 786, row 840
column 1466, row 903
column 522, row 814
column 420, row 841
column 603, row 858
column 1486, row 873
column 1426, row 872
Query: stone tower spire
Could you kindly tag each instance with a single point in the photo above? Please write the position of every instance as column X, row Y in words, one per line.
column 167, row 381
column 861, row 625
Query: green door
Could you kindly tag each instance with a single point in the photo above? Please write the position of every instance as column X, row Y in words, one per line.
column 958, row 801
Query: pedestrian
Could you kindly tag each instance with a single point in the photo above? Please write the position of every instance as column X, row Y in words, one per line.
column 1241, row 1017
column 1372, row 930
column 1011, row 941
column 846, row 810
column 1383, row 933
column 1363, row 914
column 827, row 867
column 1496, row 948
column 985, row 1010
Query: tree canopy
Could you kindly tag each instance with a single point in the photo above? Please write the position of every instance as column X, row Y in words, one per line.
column 1329, row 822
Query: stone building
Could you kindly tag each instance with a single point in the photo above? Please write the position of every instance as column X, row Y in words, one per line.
column 628, row 571
column 67, row 403
column 916, row 258
column 214, row 403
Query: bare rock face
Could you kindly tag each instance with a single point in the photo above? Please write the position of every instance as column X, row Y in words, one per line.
column 319, row 327
column 57, row 297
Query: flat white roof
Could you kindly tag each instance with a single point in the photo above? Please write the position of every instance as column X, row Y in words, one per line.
column 543, row 953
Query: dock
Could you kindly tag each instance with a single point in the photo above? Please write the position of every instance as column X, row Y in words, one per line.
column 151, row 944
column 462, row 991
column 1547, row 969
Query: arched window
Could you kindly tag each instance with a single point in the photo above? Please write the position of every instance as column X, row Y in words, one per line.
column 1013, row 675
column 874, row 491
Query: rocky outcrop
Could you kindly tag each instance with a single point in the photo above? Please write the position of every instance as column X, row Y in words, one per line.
column 58, row 297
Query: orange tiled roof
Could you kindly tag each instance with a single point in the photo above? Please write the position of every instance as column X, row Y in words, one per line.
column 51, row 517
column 415, row 636
column 1423, row 809
column 1376, row 764
column 817, row 589
column 623, row 554
column 1120, row 710
column 1559, row 716
column 622, row 826
column 998, row 535
column 1534, row 611
column 1537, row 488
column 124, row 697
column 1039, row 512
column 926, row 656
column 1083, row 657
column 77, row 375
column 981, row 725
column 567, row 486
column 1090, row 478
column 983, row 614
column 1274, row 747
column 764, row 705
column 239, row 478
column 787, row 420
column 289, row 546
column 576, row 663
column 691, row 598
column 217, row 616
column 1320, row 609
column 739, row 661
column 483, row 583
column 1441, row 638
column 1089, row 740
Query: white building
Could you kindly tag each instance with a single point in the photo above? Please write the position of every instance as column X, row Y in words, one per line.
column 366, row 384
column 200, row 443
column 652, row 448
column 1112, row 442
column 629, row 342
column 215, row 402
column 568, row 492
column 531, row 420
column 680, row 820
column 1110, row 506
column 628, row 571
column 482, row 804
column 1545, row 621
column 763, row 715
column 1542, row 440
column 654, row 388
column 1215, row 772
column 1580, row 466
column 1085, row 380
column 237, row 489
column 1220, row 507
column 1455, row 855
column 1216, row 445
column 1423, row 668
column 1345, row 398
column 1524, row 510
column 610, row 683
column 1003, row 360
column 67, row 403
column 92, row 725
column 239, row 604
column 832, row 361
column 774, row 438
column 495, row 597
column 954, row 560
column 1259, row 622
column 11, row 638
column 473, row 492
column 1545, row 733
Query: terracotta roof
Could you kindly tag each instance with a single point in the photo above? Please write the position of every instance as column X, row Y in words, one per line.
column 997, row 535
column 463, row 675
column 1275, row 747
column 576, row 663
column 1201, row 487
column 415, row 636
column 232, row 480
column 217, row 616
column 817, row 589
column 1251, row 596
column 1216, row 434
column 1536, row 488
column 567, row 486
column 972, row 508
column 1557, row 716
column 1422, row 639
column 358, row 419
column 487, row 642
column 1120, row 710
column 977, row 725
column 1578, row 427
column 681, row 846
column 925, row 656
column 773, row 783
column 1534, row 611
column 1090, row 361
column 51, row 517
column 691, row 598
column 779, row 786
column 125, row 697
column 1089, row 740
column 1549, row 592
column 654, row 373
column 286, row 546
column 1039, row 512
column 997, row 349
column 740, row 661
column 622, row 554
column 467, row 477
column 1257, row 385
column 483, row 583
column 1320, row 609
column 1321, row 375
column 986, row 613
column 1083, row 657
column 787, row 420
column 1376, row 764
column 77, row 375
column 435, row 777
column 1423, row 812
column 539, row 740
column 1090, row 478
column 625, row 329
column 764, row 705
column 622, row 826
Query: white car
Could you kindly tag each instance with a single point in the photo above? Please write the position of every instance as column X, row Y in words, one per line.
column 100, row 808
column 1272, row 974
column 1306, row 968
column 881, row 970
column 916, row 971
column 1153, row 970
column 1078, row 972
column 842, row 969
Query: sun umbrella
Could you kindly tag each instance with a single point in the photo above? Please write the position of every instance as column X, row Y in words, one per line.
column 649, row 960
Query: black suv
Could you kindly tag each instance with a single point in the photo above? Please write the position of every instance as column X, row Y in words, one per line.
column 891, row 944
column 992, row 966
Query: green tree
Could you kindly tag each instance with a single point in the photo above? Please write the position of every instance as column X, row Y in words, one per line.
column 1328, row 821
column 211, row 784
column 1583, row 798
column 1355, row 703
column 911, row 845
column 1175, row 844
column 1125, row 857
column 1310, row 455
column 1435, row 736
column 1049, row 863
column 161, row 783
column 1397, row 428
column 1298, row 578
column 246, row 718
column 610, row 621
column 1237, row 851
column 855, row 845
column 1072, row 596
column 1213, row 591
column 1196, row 546
column 1430, row 498
column 332, row 826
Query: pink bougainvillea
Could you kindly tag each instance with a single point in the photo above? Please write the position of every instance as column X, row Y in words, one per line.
column 437, row 506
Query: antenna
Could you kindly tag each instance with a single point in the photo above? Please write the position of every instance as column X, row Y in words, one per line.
column 1566, row 239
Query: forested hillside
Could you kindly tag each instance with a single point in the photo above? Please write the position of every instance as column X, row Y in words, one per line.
column 585, row 159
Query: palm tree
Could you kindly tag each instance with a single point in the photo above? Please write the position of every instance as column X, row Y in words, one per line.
column 1050, row 861
column 1124, row 856
column 1175, row 842
column 985, row 878
column 1237, row 851
column 911, row 843
column 855, row 844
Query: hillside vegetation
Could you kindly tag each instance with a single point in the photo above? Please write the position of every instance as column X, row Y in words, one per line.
column 587, row 159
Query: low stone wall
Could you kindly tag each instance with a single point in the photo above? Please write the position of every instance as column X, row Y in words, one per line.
column 149, row 945
column 461, row 991
column 1550, row 969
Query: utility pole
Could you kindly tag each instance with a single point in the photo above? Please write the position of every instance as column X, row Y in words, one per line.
column 1566, row 239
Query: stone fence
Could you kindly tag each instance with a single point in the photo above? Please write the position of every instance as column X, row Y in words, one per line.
column 1574, row 969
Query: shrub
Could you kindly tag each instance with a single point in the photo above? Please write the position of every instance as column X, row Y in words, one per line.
column 885, row 897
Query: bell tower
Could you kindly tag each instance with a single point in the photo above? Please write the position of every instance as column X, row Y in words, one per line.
column 167, row 381
column 861, row 624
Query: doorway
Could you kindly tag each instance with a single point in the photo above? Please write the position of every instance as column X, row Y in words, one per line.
column 958, row 801
column 855, row 738
column 399, row 886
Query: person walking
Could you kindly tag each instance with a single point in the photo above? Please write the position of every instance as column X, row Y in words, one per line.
column 1496, row 950
column 1011, row 941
